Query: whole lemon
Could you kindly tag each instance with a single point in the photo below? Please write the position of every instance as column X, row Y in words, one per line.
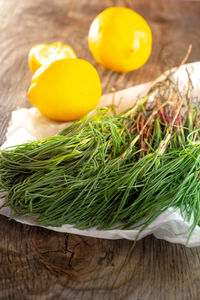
column 66, row 89
column 120, row 39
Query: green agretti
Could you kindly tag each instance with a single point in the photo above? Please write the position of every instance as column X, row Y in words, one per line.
column 112, row 171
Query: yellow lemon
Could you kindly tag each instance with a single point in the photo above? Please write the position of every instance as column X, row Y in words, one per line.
column 66, row 89
column 120, row 39
column 43, row 54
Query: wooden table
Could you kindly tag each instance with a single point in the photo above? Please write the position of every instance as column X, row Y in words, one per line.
column 38, row 264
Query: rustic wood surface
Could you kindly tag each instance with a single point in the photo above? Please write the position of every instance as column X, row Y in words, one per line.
column 38, row 264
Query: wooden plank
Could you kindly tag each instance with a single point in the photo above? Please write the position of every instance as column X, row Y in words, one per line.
column 37, row 264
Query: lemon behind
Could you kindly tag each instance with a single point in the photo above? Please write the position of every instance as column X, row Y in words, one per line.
column 120, row 39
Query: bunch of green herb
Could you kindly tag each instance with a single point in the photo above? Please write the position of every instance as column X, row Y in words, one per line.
column 109, row 170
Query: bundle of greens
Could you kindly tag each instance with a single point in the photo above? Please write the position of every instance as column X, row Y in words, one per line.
column 109, row 170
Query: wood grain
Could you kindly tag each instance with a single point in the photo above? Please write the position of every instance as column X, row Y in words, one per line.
column 38, row 264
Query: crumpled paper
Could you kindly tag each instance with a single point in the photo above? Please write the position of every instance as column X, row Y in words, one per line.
column 29, row 124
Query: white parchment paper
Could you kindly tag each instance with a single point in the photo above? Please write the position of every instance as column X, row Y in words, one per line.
column 29, row 124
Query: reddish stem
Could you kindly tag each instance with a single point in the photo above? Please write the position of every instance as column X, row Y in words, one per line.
column 167, row 115
column 138, row 125
column 163, row 116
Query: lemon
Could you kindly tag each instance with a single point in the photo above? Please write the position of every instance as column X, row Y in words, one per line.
column 66, row 89
column 120, row 39
column 43, row 54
